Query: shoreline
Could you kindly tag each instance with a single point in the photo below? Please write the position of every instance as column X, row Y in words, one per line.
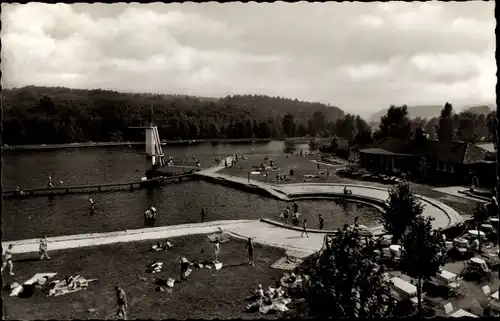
column 166, row 142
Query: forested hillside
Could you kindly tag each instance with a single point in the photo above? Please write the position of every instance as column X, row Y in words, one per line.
column 45, row 115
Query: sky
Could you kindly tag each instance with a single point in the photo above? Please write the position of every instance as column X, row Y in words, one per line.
column 361, row 57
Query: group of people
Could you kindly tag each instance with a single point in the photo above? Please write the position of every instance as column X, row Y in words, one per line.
column 150, row 214
column 269, row 299
column 234, row 159
column 7, row 255
column 296, row 221
column 43, row 252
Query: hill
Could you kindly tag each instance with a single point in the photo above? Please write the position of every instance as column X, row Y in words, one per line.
column 430, row 111
column 45, row 115
column 479, row 110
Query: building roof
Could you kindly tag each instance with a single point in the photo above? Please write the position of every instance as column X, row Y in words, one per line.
column 380, row 151
column 450, row 152
column 358, row 146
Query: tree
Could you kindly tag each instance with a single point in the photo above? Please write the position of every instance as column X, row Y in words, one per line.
column 345, row 281
column 301, row 130
column 262, row 130
column 403, row 208
column 395, row 124
column 467, row 130
column 47, row 105
column 334, row 143
column 444, row 129
column 363, row 138
column 318, row 122
column 491, row 123
column 419, row 135
column 361, row 125
column 423, row 253
column 345, row 127
column 289, row 125
column 430, row 127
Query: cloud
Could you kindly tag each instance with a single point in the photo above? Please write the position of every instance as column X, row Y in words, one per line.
column 360, row 56
column 370, row 21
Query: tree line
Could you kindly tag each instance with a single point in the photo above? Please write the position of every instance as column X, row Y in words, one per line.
column 45, row 115
column 449, row 126
column 54, row 115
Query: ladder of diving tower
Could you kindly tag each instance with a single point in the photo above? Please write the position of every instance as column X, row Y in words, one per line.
column 158, row 149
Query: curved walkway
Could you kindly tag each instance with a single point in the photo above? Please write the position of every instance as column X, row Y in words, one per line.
column 261, row 232
column 444, row 216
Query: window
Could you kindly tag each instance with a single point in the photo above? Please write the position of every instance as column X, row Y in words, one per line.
column 450, row 168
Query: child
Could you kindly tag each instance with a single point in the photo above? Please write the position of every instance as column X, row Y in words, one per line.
column 43, row 248
column 321, row 222
column 121, row 302
column 249, row 246
column 7, row 260
column 217, row 250
column 304, row 225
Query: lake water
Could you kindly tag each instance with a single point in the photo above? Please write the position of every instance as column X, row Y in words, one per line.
column 177, row 203
column 77, row 166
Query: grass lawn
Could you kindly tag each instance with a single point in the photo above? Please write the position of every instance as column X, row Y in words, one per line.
column 207, row 293
column 300, row 165
column 462, row 205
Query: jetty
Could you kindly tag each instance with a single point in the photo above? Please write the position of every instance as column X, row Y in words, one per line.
column 97, row 188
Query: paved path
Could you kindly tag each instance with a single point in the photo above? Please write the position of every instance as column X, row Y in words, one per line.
column 263, row 233
column 454, row 190
column 443, row 215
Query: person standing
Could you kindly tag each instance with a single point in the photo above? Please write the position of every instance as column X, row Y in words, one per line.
column 249, row 246
column 43, row 248
column 92, row 205
column 184, row 267
column 295, row 219
column 50, row 184
column 321, row 222
column 304, row 226
column 295, row 207
column 203, row 213
column 217, row 250
column 287, row 213
column 7, row 260
column 121, row 302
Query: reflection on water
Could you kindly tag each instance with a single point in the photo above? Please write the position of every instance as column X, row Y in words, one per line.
column 76, row 166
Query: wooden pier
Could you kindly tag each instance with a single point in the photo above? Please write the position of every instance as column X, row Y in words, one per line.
column 97, row 188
